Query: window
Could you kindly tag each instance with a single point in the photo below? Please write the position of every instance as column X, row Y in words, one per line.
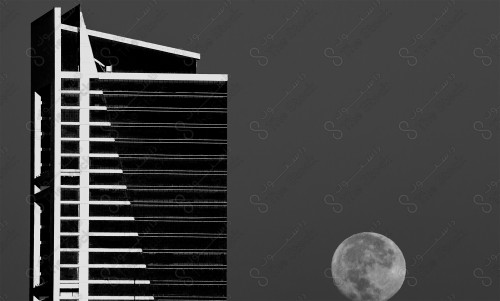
column 70, row 99
column 70, row 194
column 69, row 257
column 68, row 180
column 70, row 115
column 69, row 273
column 70, row 163
column 69, row 242
column 69, row 210
column 72, row 131
column 69, row 225
column 70, row 83
column 70, row 147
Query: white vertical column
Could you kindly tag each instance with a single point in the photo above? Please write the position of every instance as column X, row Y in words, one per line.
column 83, row 258
column 36, row 243
column 38, row 136
column 87, row 70
column 57, row 153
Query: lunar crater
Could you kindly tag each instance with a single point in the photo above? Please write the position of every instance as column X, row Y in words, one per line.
column 368, row 267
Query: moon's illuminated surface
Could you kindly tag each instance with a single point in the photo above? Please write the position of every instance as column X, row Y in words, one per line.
column 368, row 266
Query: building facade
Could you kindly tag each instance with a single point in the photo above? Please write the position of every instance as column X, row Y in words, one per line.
column 129, row 168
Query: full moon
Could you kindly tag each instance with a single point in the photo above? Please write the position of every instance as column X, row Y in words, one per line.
column 368, row 266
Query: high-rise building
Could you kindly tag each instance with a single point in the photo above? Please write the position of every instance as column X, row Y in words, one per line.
column 129, row 168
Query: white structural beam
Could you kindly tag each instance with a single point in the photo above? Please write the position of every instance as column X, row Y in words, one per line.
column 87, row 138
column 70, row 171
column 92, row 92
column 94, row 186
column 134, row 42
column 100, row 218
column 92, row 123
column 102, row 234
column 91, row 155
column 111, row 298
column 106, row 250
column 99, row 202
column 153, row 76
column 71, row 283
column 103, row 266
